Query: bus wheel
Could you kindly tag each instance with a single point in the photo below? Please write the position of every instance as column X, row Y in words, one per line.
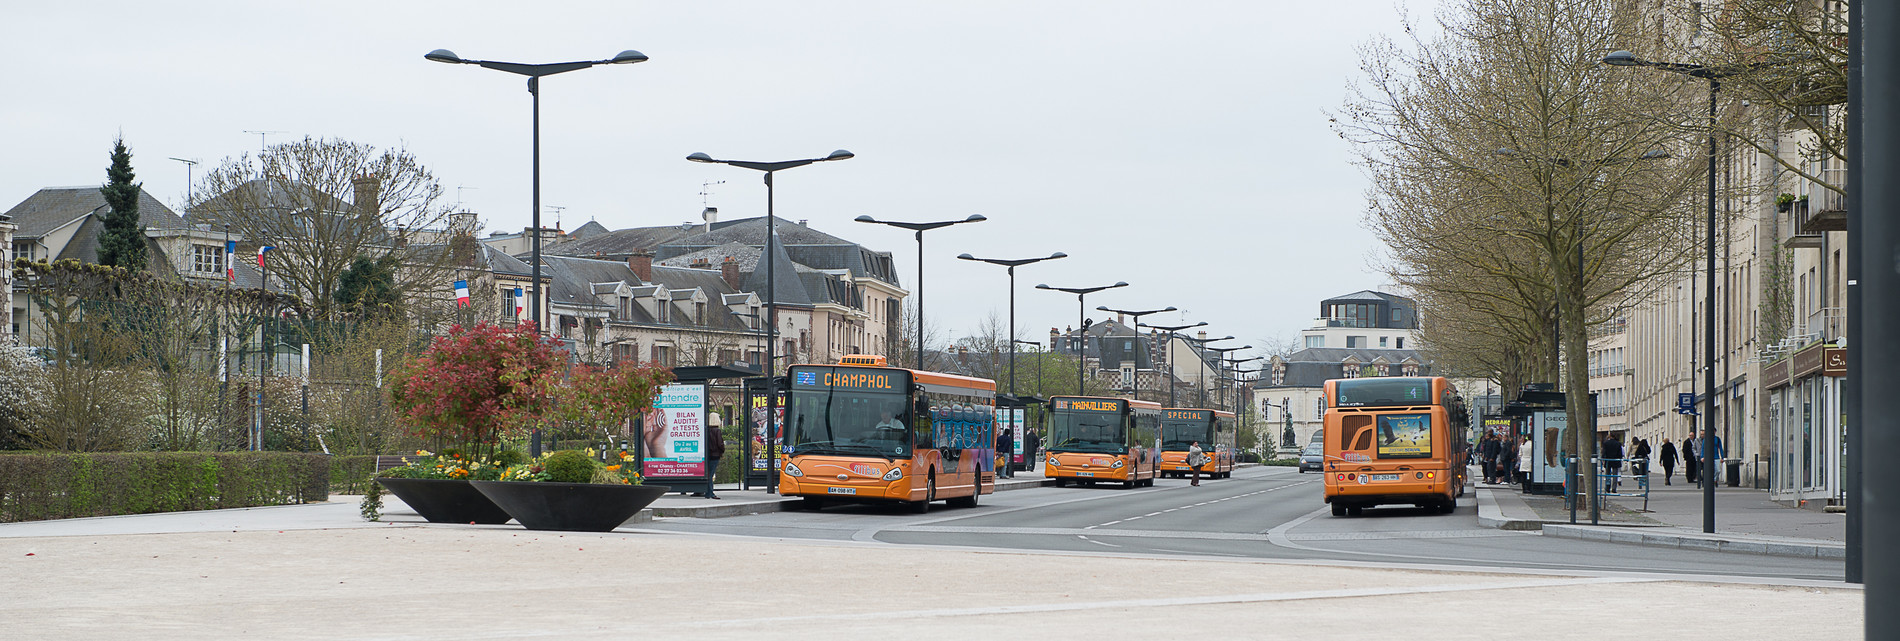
column 811, row 504
column 1062, row 482
column 968, row 501
column 930, row 494
column 1339, row 509
column 1355, row 511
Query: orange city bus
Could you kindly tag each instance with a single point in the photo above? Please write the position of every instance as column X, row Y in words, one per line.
column 1103, row 439
column 1393, row 440
column 1183, row 426
column 863, row 432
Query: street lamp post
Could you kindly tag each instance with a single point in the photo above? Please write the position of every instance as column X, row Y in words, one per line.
column 1220, row 356
column 1172, row 335
column 1714, row 75
column 1081, row 312
column 1012, row 264
column 534, row 72
column 771, row 301
column 1232, row 366
column 920, row 228
column 1137, row 315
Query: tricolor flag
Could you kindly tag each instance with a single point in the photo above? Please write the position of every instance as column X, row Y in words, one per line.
column 461, row 293
column 518, row 303
column 230, row 268
column 260, row 255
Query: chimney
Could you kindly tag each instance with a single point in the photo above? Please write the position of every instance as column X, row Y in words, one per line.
column 804, row 222
column 641, row 262
column 730, row 271
column 711, row 214
column 367, row 189
column 462, row 223
column 1201, row 335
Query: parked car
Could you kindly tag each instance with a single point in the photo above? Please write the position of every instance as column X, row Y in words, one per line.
column 1312, row 457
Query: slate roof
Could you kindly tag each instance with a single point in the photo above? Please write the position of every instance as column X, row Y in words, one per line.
column 53, row 207
column 619, row 244
column 575, row 279
column 592, row 228
column 788, row 288
column 1313, row 366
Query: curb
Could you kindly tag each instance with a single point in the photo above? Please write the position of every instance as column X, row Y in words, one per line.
column 1769, row 547
column 1490, row 516
column 767, row 506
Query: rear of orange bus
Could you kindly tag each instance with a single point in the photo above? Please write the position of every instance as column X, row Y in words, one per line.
column 1389, row 441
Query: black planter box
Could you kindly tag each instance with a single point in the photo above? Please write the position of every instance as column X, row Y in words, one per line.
column 570, row 507
column 446, row 501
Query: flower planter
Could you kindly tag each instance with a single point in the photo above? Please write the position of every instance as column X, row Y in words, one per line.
column 570, row 507
column 446, row 500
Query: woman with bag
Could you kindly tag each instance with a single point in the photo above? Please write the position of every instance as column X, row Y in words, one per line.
column 1195, row 459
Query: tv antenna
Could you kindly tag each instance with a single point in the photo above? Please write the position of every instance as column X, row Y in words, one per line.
column 189, row 163
column 557, row 214
column 458, row 196
column 261, row 145
column 705, row 192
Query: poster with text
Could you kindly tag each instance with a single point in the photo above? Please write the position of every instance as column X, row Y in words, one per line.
column 676, row 433
column 765, row 441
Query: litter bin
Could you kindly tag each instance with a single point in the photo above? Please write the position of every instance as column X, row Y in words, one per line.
column 1734, row 472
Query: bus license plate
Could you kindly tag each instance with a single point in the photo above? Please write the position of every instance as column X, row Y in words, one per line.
column 841, row 490
column 1383, row 477
column 1085, row 474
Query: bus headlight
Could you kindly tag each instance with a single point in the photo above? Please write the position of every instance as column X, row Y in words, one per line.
column 791, row 469
column 895, row 474
column 1117, row 464
column 1052, row 461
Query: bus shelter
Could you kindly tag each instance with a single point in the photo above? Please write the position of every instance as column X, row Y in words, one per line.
column 1538, row 412
column 673, row 438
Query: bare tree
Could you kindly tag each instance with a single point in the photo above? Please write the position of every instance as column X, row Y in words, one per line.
column 292, row 196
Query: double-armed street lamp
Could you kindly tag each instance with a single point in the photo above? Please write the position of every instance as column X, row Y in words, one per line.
column 920, row 228
column 1173, row 334
column 1220, row 356
column 1081, row 314
column 1012, row 264
column 766, row 254
column 534, row 72
column 1137, row 315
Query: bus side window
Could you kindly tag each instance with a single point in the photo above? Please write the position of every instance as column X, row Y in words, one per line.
column 1355, row 432
column 922, row 425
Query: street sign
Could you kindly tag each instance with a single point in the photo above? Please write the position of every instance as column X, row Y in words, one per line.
column 1685, row 403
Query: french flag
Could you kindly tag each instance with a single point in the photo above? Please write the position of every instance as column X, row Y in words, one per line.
column 260, row 255
column 230, row 268
column 518, row 301
column 461, row 293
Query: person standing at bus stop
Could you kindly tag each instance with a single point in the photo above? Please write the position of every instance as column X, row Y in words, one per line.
column 1195, row 459
column 1030, row 450
column 715, row 450
column 1005, row 452
column 1691, row 460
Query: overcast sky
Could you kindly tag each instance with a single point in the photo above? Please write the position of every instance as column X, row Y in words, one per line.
column 1179, row 146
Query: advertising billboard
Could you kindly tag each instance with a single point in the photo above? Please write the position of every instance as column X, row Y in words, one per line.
column 675, row 433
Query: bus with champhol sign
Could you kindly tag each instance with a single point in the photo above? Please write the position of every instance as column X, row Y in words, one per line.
column 1213, row 429
column 1394, row 440
column 1093, row 439
column 863, row 432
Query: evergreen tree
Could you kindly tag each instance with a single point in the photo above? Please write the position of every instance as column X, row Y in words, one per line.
column 122, row 243
column 369, row 287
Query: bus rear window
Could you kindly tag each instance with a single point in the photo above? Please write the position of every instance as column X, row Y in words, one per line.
column 1370, row 392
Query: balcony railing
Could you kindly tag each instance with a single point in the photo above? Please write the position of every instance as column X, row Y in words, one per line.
column 1609, row 410
column 1606, row 370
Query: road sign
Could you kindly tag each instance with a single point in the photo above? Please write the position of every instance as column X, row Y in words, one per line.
column 1685, row 403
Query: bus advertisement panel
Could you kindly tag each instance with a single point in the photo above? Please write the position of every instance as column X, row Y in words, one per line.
column 675, row 433
column 1405, row 436
column 765, row 441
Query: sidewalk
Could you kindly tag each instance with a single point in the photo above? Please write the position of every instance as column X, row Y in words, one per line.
column 1745, row 519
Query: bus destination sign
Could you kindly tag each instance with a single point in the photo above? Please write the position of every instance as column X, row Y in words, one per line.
column 1089, row 406
column 1190, row 415
column 867, row 380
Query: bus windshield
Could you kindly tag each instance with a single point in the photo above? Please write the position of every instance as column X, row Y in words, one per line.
column 851, row 421
column 1086, row 431
column 1177, row 434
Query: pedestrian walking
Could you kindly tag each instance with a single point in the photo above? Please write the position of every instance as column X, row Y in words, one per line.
column 1715, row 455
column 1507, row 460
column 1195, row 459
column 1612, row 456
column 1524, row 460
column 1006, row 448
column 1032, row 450
column 1639, row 460
column 715, row 450
column 1488, row 457
column 1668, row 458
column 1692, row 460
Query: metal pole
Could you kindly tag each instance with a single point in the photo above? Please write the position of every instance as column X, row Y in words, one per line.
column 1708, row 336
column 1851, row 477
column 774, row 434
column 1880, row 75
column 1012, row 330
column 920, row 299
column 535, row 307
column 1081, row 340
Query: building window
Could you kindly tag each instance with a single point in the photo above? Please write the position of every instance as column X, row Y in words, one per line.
column 1355, row 342
column 1382, row 341
column 1396, row 315
column 207, row 259
column 663, row 355
column 666, row 311
column 699, row 313
column 1401, row 343
column 1316, row 341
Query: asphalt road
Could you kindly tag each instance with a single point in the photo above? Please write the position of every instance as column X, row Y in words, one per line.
column 1261, row 513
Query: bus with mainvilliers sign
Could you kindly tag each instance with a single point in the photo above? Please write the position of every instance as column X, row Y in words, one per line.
column 1099, row 439
column 1393, row 441
column 1215, row 430
column 861, row 431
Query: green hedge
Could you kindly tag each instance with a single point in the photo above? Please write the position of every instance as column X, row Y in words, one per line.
column 39, row 486
column 350, row 474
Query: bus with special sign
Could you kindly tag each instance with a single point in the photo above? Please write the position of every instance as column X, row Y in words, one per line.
column 863, row 432
column 1394, row 441
column 1182, row 427
column 1096, row 439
